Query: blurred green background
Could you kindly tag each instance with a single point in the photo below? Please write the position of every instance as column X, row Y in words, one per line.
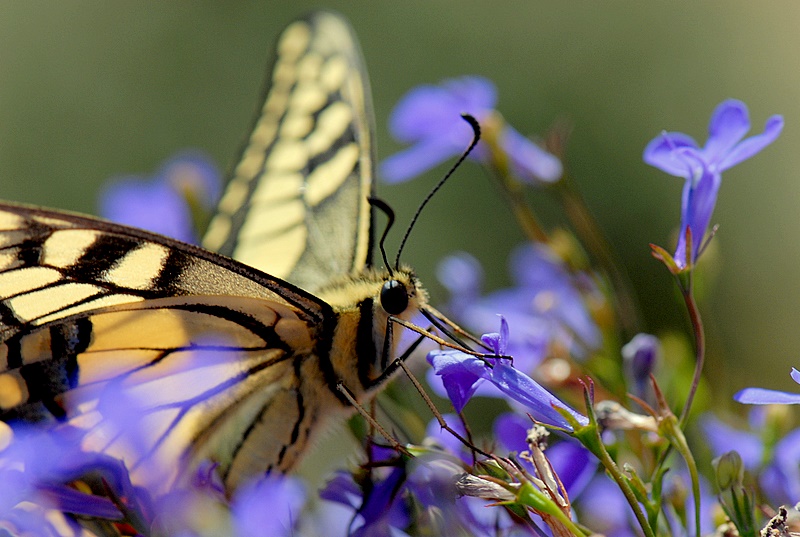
column 90, row 90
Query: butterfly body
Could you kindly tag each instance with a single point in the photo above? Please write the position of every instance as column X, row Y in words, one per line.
column 168, row 355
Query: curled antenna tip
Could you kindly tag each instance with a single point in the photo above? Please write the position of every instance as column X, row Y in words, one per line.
column 476, row 127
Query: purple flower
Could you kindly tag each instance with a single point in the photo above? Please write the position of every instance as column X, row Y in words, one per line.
column 36, row 467
column 461, row 373
column 379, row 508
column 640, row 355
column 762, row 396
column 164, row 203
column 679, row 155
column 546, row 306
column 573, row 463
column 435, row 434
column 429, row 117
column 269, row 506
column 779, row 474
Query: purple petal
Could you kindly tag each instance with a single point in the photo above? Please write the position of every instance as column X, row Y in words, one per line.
column 342, row 489
column 460, row 374
column 640, row 355
column 473, row 93
column 416, row 160
column 784, row 464
column 153, row 206
column 795, row 375
column 72, row 501
column 529, row 161
column 526, row 391
column 663, row 152
column 761, row 396
column 269, row 507
column 722, row 439
column 729, row 123
column 574, row 465
column 462, row 275
column 435, row 111
column 161, row 204
column 697, row 206
column 754, row 144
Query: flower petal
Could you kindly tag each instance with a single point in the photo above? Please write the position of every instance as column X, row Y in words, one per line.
column 460, row 374
column 795, row 375
column 523, row 389
column 722, row 438
column 754, row 144
column 416, row 160
column 529, row 161
column 729, row 123
column 761, row 396
column 664, row 153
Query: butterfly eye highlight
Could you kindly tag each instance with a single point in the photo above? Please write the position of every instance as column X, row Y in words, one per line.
column 394, row 297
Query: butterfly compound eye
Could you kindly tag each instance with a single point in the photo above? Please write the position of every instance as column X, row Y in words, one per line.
column 394, row 297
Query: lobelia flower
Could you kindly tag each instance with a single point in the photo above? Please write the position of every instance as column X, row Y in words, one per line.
column 779, row 473
column 545, row 305
column 640, row 357
column 460, row 373
column 168, row 202
column 36, row 468
column 679, row 155
column 381, row 510
column 429, row 118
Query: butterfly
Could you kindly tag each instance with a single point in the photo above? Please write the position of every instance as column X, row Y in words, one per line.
column 237, row 352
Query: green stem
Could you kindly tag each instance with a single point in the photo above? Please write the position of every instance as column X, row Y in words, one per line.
column 589, row 436
column 612, row 468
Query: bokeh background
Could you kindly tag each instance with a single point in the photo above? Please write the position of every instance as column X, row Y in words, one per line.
column 91, row 90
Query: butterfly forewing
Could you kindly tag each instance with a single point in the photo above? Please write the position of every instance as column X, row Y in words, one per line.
column 296, row 205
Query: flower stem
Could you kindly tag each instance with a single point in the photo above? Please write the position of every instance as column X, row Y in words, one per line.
column 591, row 235
column 699, row 344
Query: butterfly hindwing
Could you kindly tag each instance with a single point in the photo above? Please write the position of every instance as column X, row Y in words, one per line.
column 296, row 205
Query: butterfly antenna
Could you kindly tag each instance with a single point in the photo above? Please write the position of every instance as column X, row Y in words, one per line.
column 476, row 136
column 384, row 207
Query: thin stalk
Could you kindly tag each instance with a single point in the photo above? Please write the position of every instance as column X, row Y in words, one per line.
column 590, row 233
column 612, row 468
column 699, row 345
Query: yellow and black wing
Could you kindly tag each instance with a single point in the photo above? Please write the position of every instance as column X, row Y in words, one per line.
column 296, row 206
column 91, row 309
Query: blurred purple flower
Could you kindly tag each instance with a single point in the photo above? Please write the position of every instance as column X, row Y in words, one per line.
column 763, row 396
column 573, row 463
column 164, row 203
column 268, row 506
column 640, row 356
column 380, row 510
column 435, row 434
column 546, row 306
column 779, row 474
column 429, row 118
column 679, row 155
column 604, row 508
column 461, row 373
column 35, row 469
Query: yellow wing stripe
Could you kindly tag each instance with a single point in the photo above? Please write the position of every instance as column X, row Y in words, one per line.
column 310, row 147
